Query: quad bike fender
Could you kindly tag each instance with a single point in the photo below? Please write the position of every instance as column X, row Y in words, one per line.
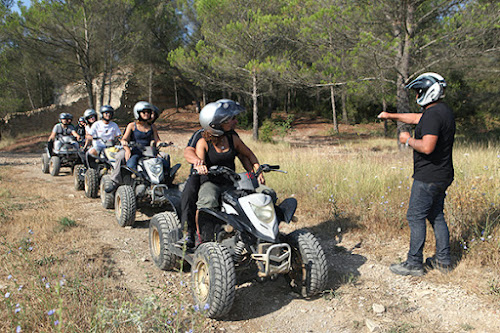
column 286, row 209
column 226, row 218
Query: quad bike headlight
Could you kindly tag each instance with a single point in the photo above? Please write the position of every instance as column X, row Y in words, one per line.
column 264, row 213
column 156, row 169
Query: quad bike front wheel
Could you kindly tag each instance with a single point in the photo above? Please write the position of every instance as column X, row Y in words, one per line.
column 213, row 279
column 107, row 199
column 45, row 163
column 125, row 206
column 164, row 229
column 309, row 273
column 78, row 174
column 54, row 165
column 91, row 183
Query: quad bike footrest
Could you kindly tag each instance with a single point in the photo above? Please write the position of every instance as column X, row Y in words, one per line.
column 273, row 259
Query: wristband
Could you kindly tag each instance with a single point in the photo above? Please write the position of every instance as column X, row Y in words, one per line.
column 407, row 142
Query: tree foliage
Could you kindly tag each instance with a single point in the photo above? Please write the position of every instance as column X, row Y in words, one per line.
column 299, row 55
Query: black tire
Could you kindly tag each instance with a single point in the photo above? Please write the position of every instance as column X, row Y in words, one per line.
column 213, row 279
column 45, row 163
column 55, row 165
column 79, row 183
column 309, row 273
column 91, row 183
column 107, row 199
column 164, row 229
column 125, row 206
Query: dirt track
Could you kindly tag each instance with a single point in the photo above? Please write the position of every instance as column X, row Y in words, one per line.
column 364, row 295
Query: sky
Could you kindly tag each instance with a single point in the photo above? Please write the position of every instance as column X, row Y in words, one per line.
column 24, row 2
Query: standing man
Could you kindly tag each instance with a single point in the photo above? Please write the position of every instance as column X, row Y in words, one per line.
column 432, row 174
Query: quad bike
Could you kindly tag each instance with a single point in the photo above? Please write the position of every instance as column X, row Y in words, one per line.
column 151, row 184
column 242, row 236
column 90, row 175
column 63, row 152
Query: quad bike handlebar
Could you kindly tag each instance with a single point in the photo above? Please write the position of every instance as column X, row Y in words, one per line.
column 232, row 175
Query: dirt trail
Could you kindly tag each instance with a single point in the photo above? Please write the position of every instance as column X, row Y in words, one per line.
column 364, row 295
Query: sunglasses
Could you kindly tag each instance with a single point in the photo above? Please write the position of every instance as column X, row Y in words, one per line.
column 145, row 111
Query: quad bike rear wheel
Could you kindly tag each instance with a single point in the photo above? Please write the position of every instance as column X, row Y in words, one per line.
column 213, row 279
column 125, row 206
column 309, row 273
column 77, row 174
column 54, row 165
column 107, row 199
column 164, row 229
column 91, row 183
column 45, row 163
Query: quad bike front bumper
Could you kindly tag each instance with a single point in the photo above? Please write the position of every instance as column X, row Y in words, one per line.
column 273, row 259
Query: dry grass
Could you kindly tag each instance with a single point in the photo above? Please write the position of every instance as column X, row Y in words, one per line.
column 55, row 275
column 356, row 186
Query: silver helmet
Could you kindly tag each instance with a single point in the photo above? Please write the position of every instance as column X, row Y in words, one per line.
column 107, row 108
column 65, row 115
column 89, row 113
column 139, row 106
column 429, row 87
column 214, row 114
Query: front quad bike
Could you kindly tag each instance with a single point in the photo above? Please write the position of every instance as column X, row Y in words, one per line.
column 242, row 236
column 151, row 184
column 63, row 152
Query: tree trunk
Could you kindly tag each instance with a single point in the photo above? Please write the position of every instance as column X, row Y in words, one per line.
column 270, row 101
column 345, row 120
column 403, row 63
column 384, row 108
column 255, row 108
column 150, row 84
column 334, row 111
column 28, row 92
column 176, row 97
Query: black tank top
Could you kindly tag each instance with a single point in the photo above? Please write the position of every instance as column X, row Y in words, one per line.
column 144, row 138
column 220, row 159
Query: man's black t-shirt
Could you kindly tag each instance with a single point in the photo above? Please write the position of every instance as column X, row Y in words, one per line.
column 437, row 166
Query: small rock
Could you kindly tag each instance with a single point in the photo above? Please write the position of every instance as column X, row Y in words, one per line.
column 371, row 325
column 71, row 195
column 144, row 259
column 378, row 308
column 128, row 227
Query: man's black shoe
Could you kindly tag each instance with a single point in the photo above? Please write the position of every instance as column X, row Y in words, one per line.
column 433, row 263
column 111, row 187
column 405, row 268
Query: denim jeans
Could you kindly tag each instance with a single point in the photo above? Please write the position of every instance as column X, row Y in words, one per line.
column 426, row 202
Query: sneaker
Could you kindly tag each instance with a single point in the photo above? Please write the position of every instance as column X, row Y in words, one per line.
column 111, row 187
column 405, row 268
column 432, row 263
column 188, row 240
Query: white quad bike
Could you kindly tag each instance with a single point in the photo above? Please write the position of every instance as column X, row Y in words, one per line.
column 151, row 184
column 244, row 238
column 94, row 173
column 63, row 152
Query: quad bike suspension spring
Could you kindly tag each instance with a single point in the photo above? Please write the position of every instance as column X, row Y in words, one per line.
column 238, row 250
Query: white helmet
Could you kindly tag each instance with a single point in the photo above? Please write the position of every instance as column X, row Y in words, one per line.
column 214, row 114
column 139, row 106
column 429, row 88
column 89, row 113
